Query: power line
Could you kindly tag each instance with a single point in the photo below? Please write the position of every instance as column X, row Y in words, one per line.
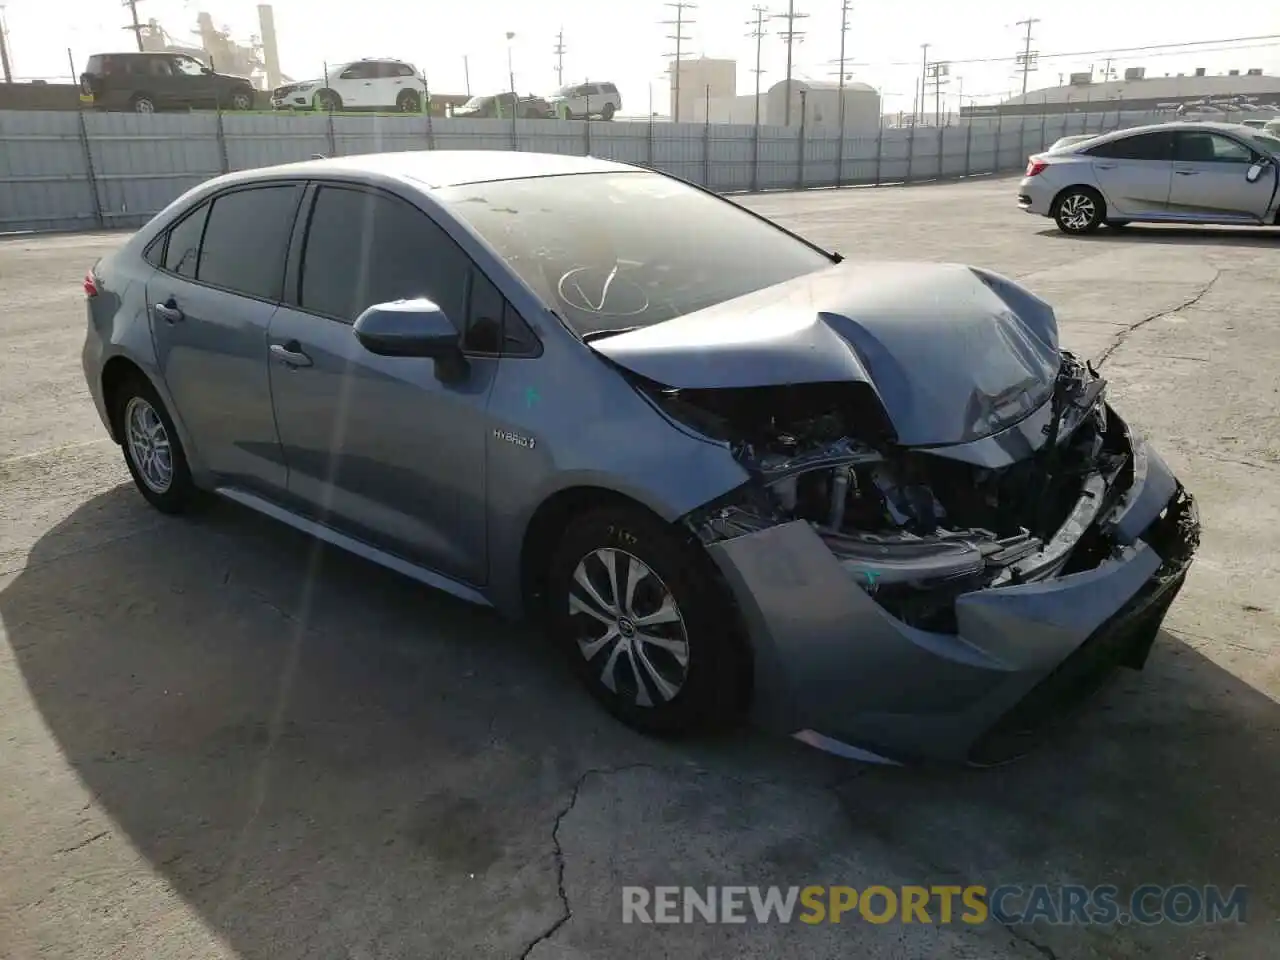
column 1180, row 48
column 1026, row 58
column 680, row 22
column 790, row 37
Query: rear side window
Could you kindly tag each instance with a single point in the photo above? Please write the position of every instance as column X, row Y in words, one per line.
column 398, row 70
column 608, row 88
column 246, row 239
column 1144, row 146
column 183, row 251
column 364, row 248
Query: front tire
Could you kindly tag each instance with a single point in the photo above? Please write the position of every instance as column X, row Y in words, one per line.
column 326, row 100
column 607, row 112
column 647, row 629
column 242, row 100
column 142, row 103
column 152, row 450
column 1079, row 210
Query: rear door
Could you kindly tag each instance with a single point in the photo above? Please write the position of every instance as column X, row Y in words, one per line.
column 211, row 301
column 379, row 447
column 356, row 84
column 1210, row 178
column 393, row 79
column 1135, row 173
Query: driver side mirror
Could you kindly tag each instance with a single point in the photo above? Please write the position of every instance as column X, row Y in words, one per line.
column 1255, row 171
column 412, row 328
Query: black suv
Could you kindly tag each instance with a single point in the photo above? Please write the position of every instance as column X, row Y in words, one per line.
column 147, row 82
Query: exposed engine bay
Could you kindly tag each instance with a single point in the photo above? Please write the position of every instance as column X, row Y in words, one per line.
column 915, row 527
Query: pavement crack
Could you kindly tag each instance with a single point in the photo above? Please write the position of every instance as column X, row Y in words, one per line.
column 566, row 909
column 1040, row 948
column 83, row 843
column 1120, row 338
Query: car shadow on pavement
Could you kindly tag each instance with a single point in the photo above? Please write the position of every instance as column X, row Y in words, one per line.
column 1268, row 237
column 312, row 751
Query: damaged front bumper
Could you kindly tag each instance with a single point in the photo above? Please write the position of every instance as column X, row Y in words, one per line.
column 836, row 669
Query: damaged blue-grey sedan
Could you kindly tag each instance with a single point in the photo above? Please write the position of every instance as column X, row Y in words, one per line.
column 875, row 506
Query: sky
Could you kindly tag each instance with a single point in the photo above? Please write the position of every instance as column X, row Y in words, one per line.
column 625, row 41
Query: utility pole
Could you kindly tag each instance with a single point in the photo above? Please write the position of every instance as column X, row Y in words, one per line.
column 757, row 34
column 790, row 37
column 924, row 79
column 1106, row 71
column 136, row 27
column 4, row 48
column 1027, row 60
column 845, row 7
column 936, row 73
column 559, row 54
column 466, row 74
column 680, row 22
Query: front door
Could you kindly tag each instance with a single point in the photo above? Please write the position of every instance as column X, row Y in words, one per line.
column 1134, row 173
column 196, row 86
column 211, row 302
column 381, row 448
column 355, row 84
column 1210, row 178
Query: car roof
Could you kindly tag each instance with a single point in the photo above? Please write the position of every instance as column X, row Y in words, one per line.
column 435, row 169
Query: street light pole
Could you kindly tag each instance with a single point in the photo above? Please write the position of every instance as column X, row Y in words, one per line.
column 924, row 79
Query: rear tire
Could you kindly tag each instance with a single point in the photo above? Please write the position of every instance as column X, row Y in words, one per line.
column 1079, row 210
column 607, row 112
column 409, row 102
column 142, row 103
column 657, row 641
column 242, row 100
column 152, row 450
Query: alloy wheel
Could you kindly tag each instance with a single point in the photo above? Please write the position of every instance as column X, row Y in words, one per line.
column 1078, row 211
column 144, row 106
column 149, row 446
column 628, row 621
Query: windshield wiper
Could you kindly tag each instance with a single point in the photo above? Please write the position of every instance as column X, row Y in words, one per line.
column 601, row 334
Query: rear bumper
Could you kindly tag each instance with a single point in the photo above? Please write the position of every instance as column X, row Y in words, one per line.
column 837, row 670
column 1035, row 196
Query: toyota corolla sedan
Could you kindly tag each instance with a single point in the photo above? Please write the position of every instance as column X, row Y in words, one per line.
column 1219, row 173
column 876, row 505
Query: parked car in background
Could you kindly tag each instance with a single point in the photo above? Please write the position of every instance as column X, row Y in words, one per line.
column 499, row 105
column 1071, row 140
column 877, row 503
column 371, row 84
column 1185, row 172
column 147, row 82
column 1272, row 127
column 581, row 101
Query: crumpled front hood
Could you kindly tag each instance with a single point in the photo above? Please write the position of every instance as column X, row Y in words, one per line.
column 954, row 353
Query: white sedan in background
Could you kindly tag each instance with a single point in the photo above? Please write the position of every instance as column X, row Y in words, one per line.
column 1169, row 173
column 376, row 84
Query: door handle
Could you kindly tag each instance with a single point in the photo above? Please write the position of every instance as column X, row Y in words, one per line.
column 290, row 354
column 1187, row 173
column 169, row 311
column 1105, row 166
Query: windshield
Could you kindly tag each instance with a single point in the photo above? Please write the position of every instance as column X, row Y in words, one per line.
column 1267, row 141
column 565, row 91
column 616, row 251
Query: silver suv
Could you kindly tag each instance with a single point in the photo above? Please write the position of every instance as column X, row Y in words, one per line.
column 582, row 101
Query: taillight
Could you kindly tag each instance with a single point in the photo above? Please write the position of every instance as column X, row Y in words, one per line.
column 90, row 285
column 1035, row 165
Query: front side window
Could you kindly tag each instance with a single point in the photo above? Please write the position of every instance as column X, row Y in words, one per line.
column 359, row 71
column 160, row 67
column 613, row 251
column 246, row 240
column 183, row 250
column 364, row 248
column 188, row 66
column 1199, row 147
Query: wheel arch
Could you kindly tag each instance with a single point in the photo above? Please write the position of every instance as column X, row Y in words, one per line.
column 116, row 372
column 545, row 526
column 1079, row 185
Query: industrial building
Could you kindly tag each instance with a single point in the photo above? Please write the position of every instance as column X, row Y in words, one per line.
column 258, row 59
column 1231, row 92
column 698, row 79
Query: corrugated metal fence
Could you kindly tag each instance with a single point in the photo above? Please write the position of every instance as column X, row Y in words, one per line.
column 64, row 170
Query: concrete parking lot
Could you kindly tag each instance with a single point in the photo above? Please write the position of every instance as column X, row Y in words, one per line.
column 219, row 740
